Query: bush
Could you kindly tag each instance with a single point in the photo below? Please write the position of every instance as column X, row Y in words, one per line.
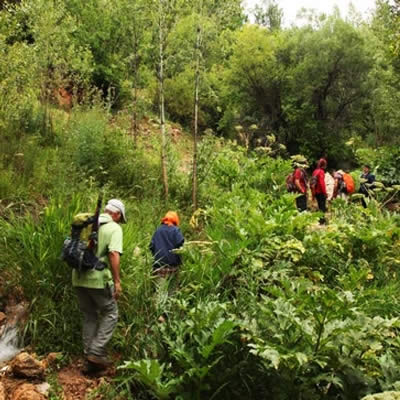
column 384, row 161
column 33, row 246
column 108, row 155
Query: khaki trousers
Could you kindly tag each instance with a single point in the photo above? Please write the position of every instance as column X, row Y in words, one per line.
column 100, row 315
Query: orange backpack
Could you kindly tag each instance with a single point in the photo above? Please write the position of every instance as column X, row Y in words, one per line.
column 349, row 181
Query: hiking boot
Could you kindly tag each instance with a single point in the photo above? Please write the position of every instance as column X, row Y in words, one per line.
column 89, row 368
column 99, row 362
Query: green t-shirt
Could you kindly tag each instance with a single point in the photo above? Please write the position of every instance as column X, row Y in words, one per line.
column 110, row 239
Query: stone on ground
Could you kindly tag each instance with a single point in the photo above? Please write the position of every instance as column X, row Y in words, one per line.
column 26, row 366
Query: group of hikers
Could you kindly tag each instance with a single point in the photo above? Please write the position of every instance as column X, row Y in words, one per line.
column 98, row 290
column 323, row 185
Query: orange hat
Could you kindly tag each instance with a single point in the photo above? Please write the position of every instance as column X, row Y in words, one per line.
column 171, row 218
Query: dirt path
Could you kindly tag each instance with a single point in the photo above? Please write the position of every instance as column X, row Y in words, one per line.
column 77, row 386
column 69, row 383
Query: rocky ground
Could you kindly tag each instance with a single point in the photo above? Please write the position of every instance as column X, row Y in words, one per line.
column 23, row 376
column 27, row 378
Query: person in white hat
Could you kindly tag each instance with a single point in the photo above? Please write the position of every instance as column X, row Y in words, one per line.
column 98, row 291
column 297, row 181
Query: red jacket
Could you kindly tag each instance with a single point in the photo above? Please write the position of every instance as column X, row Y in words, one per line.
column 320, row 187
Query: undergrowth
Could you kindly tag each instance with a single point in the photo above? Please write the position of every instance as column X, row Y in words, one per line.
column 267, row 304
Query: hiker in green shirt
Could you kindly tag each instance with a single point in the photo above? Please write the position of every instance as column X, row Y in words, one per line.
column 98, row 291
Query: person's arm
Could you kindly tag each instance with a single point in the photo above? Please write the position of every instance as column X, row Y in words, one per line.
column 298, row 185
column 179, row 239
column 297, row 177
column 114, row 254
column 114, row 258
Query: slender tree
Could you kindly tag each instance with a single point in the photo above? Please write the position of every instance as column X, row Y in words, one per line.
column 166, row 14
column 219, row 14
column 161, row 32
column 269, row 15
column 196, row 104
column 137, row 34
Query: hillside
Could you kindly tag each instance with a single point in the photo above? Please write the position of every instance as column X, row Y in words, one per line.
column 116, row 101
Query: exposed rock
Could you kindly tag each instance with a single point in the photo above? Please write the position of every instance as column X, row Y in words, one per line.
column 43, row 388
column 18, row 313
column 50, row 360
column 26, row 391
column 3, row 395
column 4, row 370
column 26, row 366
column 3, row 325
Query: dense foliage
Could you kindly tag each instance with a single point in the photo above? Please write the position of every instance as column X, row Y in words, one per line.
column 314, row 87
column 268, row 304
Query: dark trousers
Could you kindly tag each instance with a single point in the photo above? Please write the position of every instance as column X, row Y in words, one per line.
column 301, row 202
column 365, row 194
column 363, row 202
column 321, row 200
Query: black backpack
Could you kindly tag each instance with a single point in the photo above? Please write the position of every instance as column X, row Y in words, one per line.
column 78, row 253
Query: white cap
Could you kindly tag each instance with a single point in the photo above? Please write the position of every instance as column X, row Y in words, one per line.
column 115, row 205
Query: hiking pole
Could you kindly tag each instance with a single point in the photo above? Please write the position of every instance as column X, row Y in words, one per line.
column 95, row 225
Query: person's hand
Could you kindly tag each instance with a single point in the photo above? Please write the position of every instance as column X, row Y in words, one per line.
column 117, row 290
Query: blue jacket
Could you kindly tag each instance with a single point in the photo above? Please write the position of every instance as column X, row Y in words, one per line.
column 370, row 179
column 165, row 239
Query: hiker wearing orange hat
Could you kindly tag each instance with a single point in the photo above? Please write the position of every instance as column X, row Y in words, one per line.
column 171, row 218
column 167, row 238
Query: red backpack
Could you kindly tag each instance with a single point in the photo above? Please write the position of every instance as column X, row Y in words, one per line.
column 290, row 185
column 313, row 184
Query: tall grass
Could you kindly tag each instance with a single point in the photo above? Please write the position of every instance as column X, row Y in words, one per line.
column 33, row 247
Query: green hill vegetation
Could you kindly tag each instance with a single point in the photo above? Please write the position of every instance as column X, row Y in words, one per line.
column 267, row 304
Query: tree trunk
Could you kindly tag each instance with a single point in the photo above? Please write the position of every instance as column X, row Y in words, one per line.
column 134, row 125
column 196, row 118
column 162, row 106
column 134, row 117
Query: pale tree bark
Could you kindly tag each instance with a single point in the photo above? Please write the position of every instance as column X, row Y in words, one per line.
column 135, row 88
column 46, row 92
column 138, row 27
column 196, row 114
column 164, row 160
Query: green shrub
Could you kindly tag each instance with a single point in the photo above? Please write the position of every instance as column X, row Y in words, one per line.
column 108, row 154
column 197, row 347
column 33, row 245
